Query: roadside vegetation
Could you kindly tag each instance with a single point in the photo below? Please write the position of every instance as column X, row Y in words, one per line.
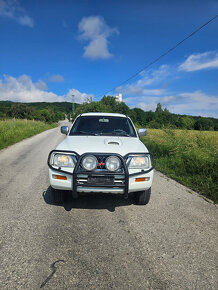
column 15, row 130
column 190, row 157
column 45, row 112
column 159, row 119
column 54, row 112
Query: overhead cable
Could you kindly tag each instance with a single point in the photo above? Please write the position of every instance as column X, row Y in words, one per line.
column 162, row 55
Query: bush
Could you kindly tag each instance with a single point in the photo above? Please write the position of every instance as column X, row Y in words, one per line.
column 190, row 157
column 13, row 131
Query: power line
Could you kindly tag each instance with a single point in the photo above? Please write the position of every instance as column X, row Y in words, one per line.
column 164, row 54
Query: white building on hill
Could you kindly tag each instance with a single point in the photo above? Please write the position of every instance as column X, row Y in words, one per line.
column 119, row 98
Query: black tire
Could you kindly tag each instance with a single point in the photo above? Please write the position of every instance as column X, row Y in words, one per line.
column 58, row 195
column 143, row 197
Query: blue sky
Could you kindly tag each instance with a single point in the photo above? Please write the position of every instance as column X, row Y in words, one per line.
column 50, row 50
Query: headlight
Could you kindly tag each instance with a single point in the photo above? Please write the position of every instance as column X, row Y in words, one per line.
column 139, row 162
column 89, row 162
column 61, row 160
column 112, row 163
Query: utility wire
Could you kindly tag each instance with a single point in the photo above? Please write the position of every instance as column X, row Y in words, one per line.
column 164, row 54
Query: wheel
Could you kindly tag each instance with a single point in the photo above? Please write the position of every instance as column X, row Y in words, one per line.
column 143, row 197
column 58, row 195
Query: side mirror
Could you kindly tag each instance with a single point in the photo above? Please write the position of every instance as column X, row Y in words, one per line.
column 64, row 130
column 142, row 132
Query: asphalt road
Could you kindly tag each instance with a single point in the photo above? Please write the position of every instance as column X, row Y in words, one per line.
column 100, row 241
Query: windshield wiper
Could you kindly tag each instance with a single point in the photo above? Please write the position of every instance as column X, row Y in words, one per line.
column 120, row 132
column 87, row 133
column 114, row 133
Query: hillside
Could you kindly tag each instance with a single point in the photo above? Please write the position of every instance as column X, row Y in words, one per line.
column 43, row 111
column 53, row 112
column 161, row 118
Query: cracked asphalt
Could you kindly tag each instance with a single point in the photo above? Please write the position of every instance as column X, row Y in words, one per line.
column 100, row 241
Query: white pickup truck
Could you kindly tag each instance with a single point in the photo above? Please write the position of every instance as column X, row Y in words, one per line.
column 101, row 153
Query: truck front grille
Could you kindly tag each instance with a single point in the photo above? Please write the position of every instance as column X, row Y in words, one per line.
column 101, row 179
column 111, row 180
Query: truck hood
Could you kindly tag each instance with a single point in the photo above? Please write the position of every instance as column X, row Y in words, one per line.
column 102, row 144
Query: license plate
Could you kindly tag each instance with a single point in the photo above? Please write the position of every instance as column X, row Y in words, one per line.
column 101, row 180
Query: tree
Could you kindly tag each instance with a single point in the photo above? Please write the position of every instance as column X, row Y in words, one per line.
column 154, row 125
column 139, row 116
column 21, row 111
column 187, row 122
column 159, row 109
column 44, row 115
column 109, row 102
column 204, row 124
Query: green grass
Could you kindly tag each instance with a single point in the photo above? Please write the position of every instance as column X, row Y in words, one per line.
column 13, row 131
column 190, row 157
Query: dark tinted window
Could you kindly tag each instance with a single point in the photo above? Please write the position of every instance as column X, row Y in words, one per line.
column 103, row 125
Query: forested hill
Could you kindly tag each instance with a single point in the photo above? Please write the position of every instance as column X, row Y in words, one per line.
column 161, row 118
column 43, row 111
column 53, row 112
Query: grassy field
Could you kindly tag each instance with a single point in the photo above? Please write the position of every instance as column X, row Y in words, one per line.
column 13, row 131
column 190, row 157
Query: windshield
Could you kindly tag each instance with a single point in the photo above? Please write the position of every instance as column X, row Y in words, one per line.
column 103, row 125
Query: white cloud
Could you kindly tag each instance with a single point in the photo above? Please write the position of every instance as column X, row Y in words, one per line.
column 195, row 103
column 23, row 89
column 95, row 30
column 97, row 48
column 145, row 103
column 148, row 103
column 201, row 99
column 137, row 90
column 148, row 91
column 56, row 78
column 167, row 99
column 154, row 76
column 147, row 107
column 78, row 96
column 143, row 85
column 199, row 61
column 150, row 100
column 12, row 10
column 41, row 85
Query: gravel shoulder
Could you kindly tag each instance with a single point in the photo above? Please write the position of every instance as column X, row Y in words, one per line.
column 100, row 241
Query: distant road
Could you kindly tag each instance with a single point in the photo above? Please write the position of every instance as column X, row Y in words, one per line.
column 100, row 241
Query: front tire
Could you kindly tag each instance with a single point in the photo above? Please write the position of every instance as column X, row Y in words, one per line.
column 58, row 195
column 143, row 197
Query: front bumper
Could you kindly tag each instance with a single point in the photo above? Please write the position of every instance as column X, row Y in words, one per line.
column 101, row 180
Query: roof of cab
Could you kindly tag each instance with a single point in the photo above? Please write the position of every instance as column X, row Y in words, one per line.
column 103, row 114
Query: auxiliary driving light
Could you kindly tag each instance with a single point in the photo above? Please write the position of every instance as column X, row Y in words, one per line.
column 112, row 163
column 89, row 162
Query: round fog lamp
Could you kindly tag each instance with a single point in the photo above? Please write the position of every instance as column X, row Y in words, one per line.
column 112, row 163
column 89, row 162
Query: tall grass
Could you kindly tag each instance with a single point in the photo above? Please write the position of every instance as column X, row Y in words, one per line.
column 13, row 131
column 190, row 157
